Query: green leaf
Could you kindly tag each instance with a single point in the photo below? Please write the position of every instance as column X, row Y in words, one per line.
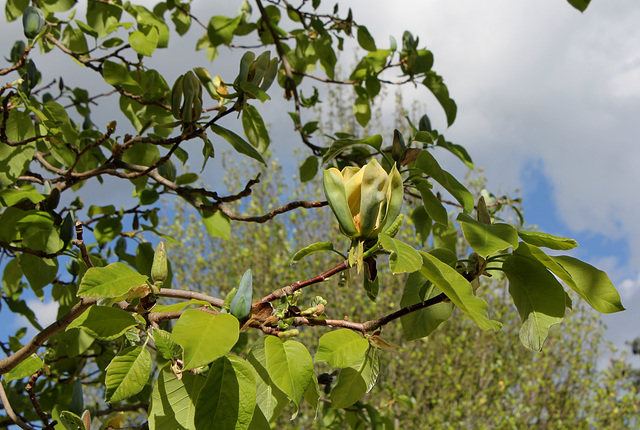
column 227, row 399
column 592, row 284
column 205, row 337
column 164, row 344
column 10, row 196
column 547, row 240
column 362, row 111
column 220, row 29
column 445, row 236
column 341, row 348
column 107, row 229
column 14, row 160
column 127, row 374
column 116, row 74
column 356, row 381
column 173, row 400
column 422, row 222
column 309, row 168
column 144, row 44
column 458, row 290
column 581, row 5
column 259, row 421
column 432, row 205
column 311, row 249
column 217, row 224
column 27, row 367
column 340, row 145
column 487, row 239
column 422, row 323
column 365, row 40
column 70, row 421
column 104, row 322
column 538, row 296
column 312, row 396
column 428, row 164
column 434, row 82
column 270, row 399
column 40, row 272
column 403, row 258
column 74, row 40
column 238, row 143
column 290, row 366
column 100, row 15
column 13, row 9
column 113, row 280
column 255, row 129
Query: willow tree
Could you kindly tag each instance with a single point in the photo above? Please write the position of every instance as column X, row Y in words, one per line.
column 176, row 352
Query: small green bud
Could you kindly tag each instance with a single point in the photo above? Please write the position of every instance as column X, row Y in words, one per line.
column 159, row 268
column 288, row 334
column 32, row 22
column 398, row 147
column 240, row 306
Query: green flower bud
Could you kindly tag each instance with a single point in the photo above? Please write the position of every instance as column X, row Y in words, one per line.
column 32, row 22
column 364, row 200
column 240, row 306
column 159, row 268
column 186, row 98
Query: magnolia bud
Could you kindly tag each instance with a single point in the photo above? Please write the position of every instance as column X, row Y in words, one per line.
column 159, row 268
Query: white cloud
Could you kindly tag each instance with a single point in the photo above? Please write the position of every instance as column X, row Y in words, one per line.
column 538, row 80
column 46, row 313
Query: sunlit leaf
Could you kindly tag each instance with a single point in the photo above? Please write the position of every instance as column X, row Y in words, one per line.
column 205, row 337
column 127, row 374
column 341, row 348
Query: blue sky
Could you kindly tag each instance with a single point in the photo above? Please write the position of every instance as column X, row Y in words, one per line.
column 548, row 100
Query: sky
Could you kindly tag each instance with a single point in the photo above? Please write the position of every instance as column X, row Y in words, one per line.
column 548, row 100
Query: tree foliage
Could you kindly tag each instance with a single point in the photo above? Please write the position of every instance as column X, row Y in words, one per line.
column 173, row 345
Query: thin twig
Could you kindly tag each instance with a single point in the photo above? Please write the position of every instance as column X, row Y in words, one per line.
column 290, row 289
column 9, row 410
column 270, row 215
column 190, row 295
column 79, row 242
column 34, row 400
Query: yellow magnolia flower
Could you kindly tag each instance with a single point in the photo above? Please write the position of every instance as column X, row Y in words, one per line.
column 364, row 200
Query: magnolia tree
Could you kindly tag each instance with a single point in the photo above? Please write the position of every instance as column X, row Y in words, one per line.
column 174, row 353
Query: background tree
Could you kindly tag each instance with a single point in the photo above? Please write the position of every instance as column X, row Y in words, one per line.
column 118, row 297
column 458, row 377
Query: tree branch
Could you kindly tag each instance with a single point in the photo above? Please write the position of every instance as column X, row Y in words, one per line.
column 190, row 295
column 6, row 364
column 290, row 289
column 9, row 410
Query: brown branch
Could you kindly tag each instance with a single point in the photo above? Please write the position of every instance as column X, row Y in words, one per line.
column 6, row 364
column 190, row 295
column 19, row 64
column 372, row 325
column 84, row 60
column 79, row 242
column 270, row 215
column 35, row 252
column 290, row 289
column 34, row 400
column 9, row 410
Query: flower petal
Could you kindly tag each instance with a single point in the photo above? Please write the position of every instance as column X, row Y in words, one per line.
column 395, row 198
column 373, row 195
column 334, row 190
